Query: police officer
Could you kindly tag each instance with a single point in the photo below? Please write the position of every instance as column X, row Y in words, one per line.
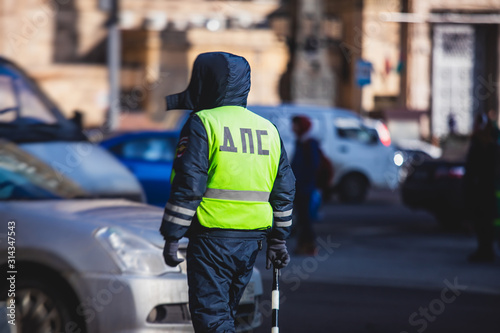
column 232, row 186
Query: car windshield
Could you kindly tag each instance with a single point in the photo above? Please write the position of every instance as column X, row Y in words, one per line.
column 19, row 99
column 27, row 114
column 23, row 176
column 352, row 129
column 147, row 149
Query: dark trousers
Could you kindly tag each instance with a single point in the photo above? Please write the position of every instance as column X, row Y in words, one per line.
column 485, row 232
column 305, row 231
column 218, row 271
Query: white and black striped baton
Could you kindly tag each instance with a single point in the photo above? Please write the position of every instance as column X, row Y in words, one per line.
column 275, row 299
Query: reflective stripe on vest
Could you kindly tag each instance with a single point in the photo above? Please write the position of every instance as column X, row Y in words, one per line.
column 214, row 193
column 244, row 153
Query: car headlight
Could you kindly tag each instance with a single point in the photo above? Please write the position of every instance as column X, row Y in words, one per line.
column 399, row 158
column 133, row 254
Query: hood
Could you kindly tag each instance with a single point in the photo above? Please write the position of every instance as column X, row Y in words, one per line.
column 90, row 166
column 218, row 79
column 141, row 219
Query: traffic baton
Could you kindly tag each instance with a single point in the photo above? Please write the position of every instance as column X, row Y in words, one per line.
column 275, row 300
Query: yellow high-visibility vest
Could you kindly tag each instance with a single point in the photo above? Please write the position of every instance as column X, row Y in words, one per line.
column 244, row 154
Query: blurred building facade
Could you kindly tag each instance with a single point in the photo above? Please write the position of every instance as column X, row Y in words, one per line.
column 452, row 61
column 426, row 66
column 62, row 44
column 50, row 40
column 348, row 33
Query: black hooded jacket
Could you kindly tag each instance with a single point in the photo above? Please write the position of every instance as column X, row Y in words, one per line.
column 218, row 79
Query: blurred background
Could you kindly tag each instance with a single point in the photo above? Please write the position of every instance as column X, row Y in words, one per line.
column 413, row 63
column 412, row 76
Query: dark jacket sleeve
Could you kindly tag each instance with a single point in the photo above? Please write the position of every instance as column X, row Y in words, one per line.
column 281, row 198
column 189, row 180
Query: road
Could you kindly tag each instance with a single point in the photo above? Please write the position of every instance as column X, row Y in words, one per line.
column 384, row 268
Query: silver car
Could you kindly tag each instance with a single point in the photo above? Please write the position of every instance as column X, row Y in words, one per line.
column 88, row 265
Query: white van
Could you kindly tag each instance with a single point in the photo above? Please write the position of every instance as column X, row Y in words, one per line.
column 359, row 149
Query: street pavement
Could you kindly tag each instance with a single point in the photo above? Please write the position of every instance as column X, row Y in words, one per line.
column 382, row 267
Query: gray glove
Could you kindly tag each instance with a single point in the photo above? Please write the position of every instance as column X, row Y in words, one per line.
column 277, row 253
column 170, row 254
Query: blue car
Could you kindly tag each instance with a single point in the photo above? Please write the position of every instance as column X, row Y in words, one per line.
column 149, row 155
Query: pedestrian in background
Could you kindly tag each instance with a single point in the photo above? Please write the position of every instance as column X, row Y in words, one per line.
column 232, row 187
column 479, row 184
column 305, row 165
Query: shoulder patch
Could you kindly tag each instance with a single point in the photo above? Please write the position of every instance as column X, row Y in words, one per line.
column 181, row 146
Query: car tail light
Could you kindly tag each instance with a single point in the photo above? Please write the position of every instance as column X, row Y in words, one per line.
column 451, row 173
column 384, row 134
column 457, row 172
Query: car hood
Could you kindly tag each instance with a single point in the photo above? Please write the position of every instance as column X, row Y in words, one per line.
column 141, row 219
column 90, row 166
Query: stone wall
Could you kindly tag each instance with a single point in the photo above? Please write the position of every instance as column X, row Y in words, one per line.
column 62, row 44
column 266, row 55
column 381, row 47
column 420, row 44
column 27, row 28
column 76, row 87
column 47, row 38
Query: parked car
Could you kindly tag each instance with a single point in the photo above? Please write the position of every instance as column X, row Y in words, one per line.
column 89, row 265
column 436, row 186
column 149, row 155
column 412, row 153
column 29, row 118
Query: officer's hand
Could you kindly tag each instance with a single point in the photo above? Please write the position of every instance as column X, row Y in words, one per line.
column 277, row 253
column 170, row 254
